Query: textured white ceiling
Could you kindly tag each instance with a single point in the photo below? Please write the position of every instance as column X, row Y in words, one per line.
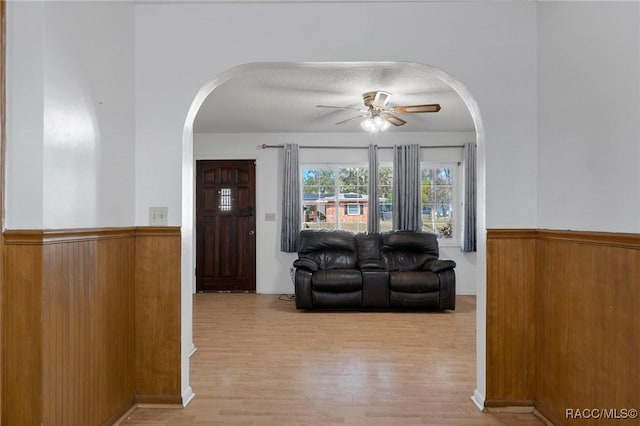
column 284, row 99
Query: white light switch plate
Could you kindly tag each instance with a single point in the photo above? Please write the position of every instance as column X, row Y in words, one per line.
column 158, row 216
column 270, row 217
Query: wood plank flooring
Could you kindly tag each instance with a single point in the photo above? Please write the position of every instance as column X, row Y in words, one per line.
column 261, row 362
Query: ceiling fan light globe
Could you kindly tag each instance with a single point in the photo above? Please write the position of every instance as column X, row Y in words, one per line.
column 380, row 123
column 369, row 125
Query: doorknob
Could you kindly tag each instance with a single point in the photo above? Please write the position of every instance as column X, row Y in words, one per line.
column 252, row 232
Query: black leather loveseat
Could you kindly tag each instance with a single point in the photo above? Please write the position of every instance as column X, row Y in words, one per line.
column 391, row 270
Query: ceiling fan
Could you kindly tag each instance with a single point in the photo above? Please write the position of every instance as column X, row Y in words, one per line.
column 378, row 116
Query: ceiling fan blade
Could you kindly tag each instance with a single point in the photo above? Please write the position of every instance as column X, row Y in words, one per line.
column 342, row 107
column 409, row 109
column 396, row 121
column 352, row 118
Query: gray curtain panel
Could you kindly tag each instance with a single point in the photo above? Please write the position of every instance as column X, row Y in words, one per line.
column 373, row 218
column 470, row 205
column 291, row 209
column 406, row 188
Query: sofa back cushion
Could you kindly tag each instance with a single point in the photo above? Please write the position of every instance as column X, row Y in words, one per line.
column 408, row 250
column 368, row 245
column 329, row 248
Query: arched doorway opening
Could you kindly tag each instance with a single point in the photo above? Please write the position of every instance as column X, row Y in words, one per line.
column 188, row 201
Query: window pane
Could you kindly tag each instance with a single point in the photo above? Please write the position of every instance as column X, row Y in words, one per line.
column 318, row 181
column 444, row 176
column 335, row 198
column 224, row 203
column 353, row 184
column 437, row 201
column 354, row 180
column 427, row 176
column 318, row 186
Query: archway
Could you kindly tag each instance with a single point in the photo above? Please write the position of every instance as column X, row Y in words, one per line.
column 188, row 240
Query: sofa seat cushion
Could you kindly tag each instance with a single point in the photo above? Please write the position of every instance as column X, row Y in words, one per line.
column 414, row 281
column 331, row 300
column 401, row 299
column 337, row 280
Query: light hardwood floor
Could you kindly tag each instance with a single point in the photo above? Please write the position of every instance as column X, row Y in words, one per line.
column 261, row 362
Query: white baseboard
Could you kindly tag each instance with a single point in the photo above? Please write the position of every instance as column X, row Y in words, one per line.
column 187, row 396
column 478, row 400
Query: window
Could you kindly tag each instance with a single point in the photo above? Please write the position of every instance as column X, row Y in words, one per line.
column 225, row 200
column 438, row 200
column 354, row 209
column 335, row 196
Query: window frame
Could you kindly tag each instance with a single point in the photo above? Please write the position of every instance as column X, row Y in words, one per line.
column 456, row 203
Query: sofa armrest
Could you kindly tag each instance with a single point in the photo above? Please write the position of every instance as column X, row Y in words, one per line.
column 371, row 264
column 307, row 264
column 302, row 285
column 438, row 265
column 447, row 297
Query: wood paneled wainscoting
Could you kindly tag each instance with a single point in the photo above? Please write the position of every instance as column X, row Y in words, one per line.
column 563, row 328
column 79, row 315
column 158, row 316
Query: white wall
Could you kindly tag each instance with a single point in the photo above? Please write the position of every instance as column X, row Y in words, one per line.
column 70, row 115
column 25, row 95
column 488, row 46
column 589, row 116
column 272, row 265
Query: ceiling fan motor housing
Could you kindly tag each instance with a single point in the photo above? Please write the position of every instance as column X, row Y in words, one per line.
column 377, row 99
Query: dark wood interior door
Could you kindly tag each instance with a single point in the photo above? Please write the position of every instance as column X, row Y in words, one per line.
column 225, row 225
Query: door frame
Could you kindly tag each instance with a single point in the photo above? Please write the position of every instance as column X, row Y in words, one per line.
column 194, row 244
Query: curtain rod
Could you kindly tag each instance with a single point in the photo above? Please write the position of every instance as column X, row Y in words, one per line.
column 265, row 146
